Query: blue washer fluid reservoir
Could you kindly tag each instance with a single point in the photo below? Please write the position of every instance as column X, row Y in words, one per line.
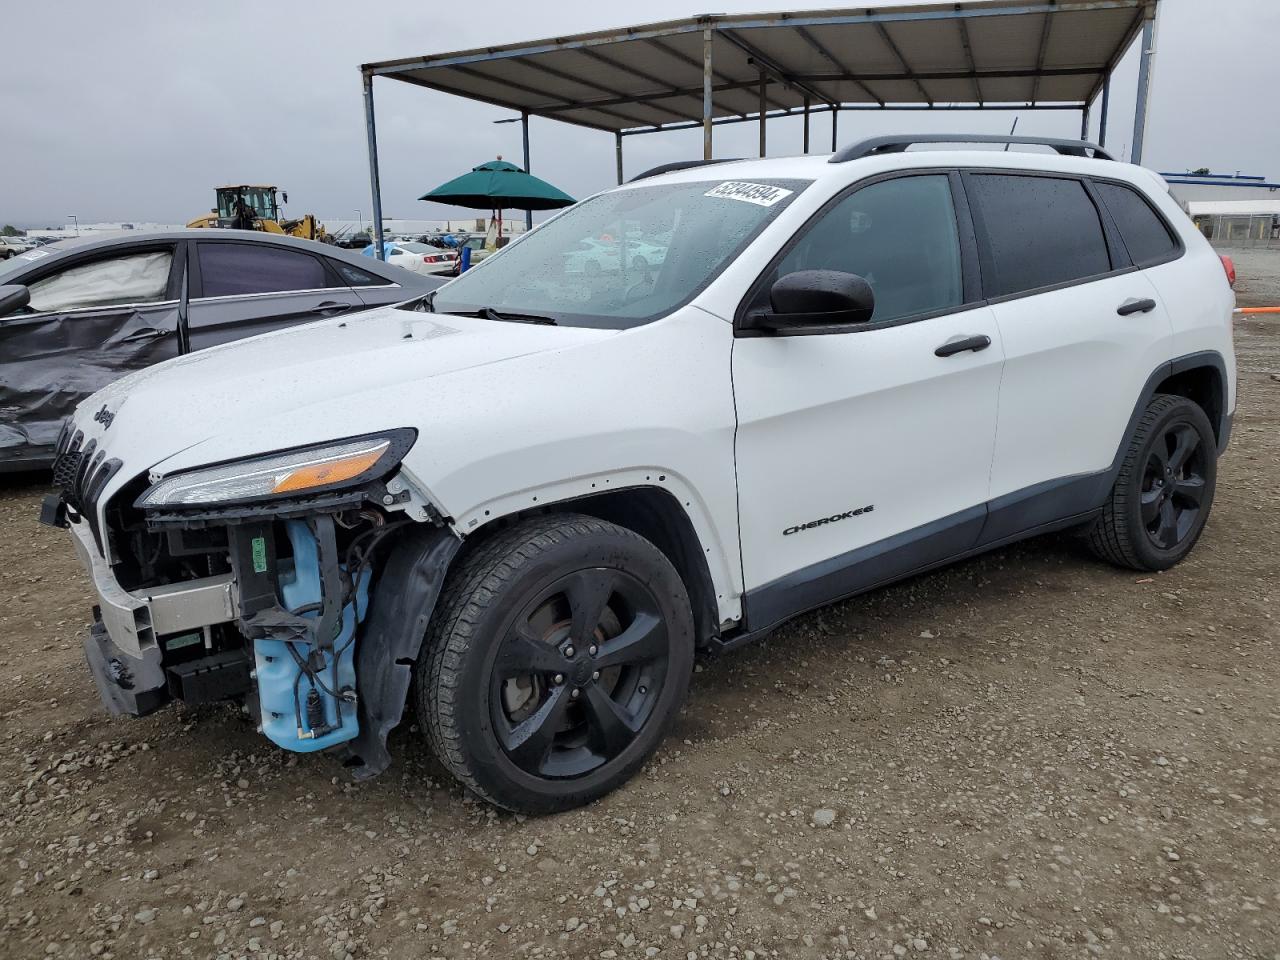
column 278, row 672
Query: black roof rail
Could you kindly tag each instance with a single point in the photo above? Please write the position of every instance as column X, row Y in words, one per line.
column 678, row 165
column 878, row 145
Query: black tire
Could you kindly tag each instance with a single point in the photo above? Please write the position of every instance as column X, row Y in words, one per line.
column 1162, row 497
column 512, row 618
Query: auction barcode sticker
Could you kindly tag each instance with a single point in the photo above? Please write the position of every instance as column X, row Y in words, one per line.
column 761, row 194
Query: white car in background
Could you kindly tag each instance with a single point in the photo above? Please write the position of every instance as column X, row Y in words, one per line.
column 419, row 257
column 12, row 246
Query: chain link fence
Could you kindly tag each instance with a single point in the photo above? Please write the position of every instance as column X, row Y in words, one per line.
column 1248, row 232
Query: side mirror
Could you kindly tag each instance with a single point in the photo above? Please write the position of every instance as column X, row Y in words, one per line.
column 819, row 299
column 13, row 297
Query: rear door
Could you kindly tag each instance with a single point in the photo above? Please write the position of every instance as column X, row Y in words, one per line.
column 1082, row 329
column 91, row 320
column 241, row 288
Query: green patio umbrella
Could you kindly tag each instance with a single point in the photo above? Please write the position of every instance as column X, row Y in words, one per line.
column 498, row 185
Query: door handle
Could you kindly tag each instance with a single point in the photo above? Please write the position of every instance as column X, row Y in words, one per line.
column 330, row 307
column 1134, row 305
column 145, row 333
column 961, row 344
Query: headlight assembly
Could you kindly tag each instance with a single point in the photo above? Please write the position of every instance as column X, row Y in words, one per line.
column 304, row 471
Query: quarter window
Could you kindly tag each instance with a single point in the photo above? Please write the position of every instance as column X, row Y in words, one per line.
column 231, row 269
column 356, row 277
column 899, row 235
column 1145, row 236
column 1036, row 232
column 137, row 278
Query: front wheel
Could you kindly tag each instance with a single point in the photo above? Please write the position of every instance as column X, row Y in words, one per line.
column 557, row 659
column 1161, row 498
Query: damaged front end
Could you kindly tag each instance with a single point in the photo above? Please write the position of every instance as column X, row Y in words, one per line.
column 299, row 584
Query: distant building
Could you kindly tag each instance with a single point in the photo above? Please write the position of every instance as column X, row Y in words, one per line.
column 1231, row 209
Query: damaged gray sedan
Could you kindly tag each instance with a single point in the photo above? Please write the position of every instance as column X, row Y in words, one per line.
column 95, row 310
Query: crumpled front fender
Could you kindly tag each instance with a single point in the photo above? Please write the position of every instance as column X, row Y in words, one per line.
column 404, row 597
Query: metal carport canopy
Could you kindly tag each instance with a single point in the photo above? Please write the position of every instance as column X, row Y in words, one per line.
column 713, row 69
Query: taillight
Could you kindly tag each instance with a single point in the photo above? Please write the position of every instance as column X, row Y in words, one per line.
column 1230, row 267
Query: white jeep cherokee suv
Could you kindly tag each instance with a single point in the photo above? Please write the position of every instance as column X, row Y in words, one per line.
column 522, row 502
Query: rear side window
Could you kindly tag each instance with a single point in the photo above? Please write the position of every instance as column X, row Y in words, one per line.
column 1035, row 232
column 231, row 269
column 355, row 277
column 1145, row 235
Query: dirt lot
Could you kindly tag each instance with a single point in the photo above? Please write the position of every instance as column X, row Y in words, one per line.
column 1027, row 755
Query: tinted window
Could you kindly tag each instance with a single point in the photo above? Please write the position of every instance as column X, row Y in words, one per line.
column 356, row 277
column 136, row 278
column 899, row 235
column 227, row 269
column 1037, row 231
column 1144, row 233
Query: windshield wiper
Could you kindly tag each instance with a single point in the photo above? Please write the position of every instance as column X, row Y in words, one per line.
column 490, row 314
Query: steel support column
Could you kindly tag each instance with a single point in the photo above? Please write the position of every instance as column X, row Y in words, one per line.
column 1144, row 89
column 706, row 99
column 835, row 126
column 1084, row 123
column 617, row 152
column 764, row 108
column 1102, row 113
column 806, row 123
column 524, row 130
column 374, row 185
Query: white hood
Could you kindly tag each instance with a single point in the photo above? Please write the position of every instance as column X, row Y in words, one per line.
column 307, row 384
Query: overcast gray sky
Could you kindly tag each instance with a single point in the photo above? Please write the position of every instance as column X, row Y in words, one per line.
column 134, row 110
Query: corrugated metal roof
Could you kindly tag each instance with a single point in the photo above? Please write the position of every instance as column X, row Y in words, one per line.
column 1002, row 52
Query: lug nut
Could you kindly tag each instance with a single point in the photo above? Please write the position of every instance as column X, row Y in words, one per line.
column 595, row 675
column 573, row 694
column 592, row 649
column 569, row 651
column 559, row 679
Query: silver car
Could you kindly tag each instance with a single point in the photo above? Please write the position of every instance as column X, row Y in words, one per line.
column 99, row 309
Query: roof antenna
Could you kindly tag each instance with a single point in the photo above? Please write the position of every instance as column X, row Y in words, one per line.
column 1011, row 129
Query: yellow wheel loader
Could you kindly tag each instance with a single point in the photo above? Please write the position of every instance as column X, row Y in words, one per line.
column 250, row 207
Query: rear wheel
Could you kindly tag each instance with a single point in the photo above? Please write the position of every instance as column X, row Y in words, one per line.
column 557, row 659
column 1161, row 499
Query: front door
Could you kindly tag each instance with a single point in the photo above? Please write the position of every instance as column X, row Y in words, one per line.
column 89, row 322
column 865, row 454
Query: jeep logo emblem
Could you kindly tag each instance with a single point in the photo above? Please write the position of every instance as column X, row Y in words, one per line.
column 104, row 417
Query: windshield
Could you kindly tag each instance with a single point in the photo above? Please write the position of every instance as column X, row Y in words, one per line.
column 624, row 257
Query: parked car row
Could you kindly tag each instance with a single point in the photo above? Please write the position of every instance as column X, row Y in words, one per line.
column 94, row 310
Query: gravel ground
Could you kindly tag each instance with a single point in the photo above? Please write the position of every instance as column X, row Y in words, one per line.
column 1026, row 755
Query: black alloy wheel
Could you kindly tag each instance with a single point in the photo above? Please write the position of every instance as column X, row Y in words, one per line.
column 1163, row 492
column 578, row 673
column 1173, row 485
column 556, row 659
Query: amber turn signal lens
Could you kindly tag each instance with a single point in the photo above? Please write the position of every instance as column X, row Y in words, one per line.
column 322, row 474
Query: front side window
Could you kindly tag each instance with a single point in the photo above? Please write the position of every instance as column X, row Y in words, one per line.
column 899, row 235
column 1035, row 232
column 1144, row 234
column 623, row 257
column 135, row 278
column 236, row 269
